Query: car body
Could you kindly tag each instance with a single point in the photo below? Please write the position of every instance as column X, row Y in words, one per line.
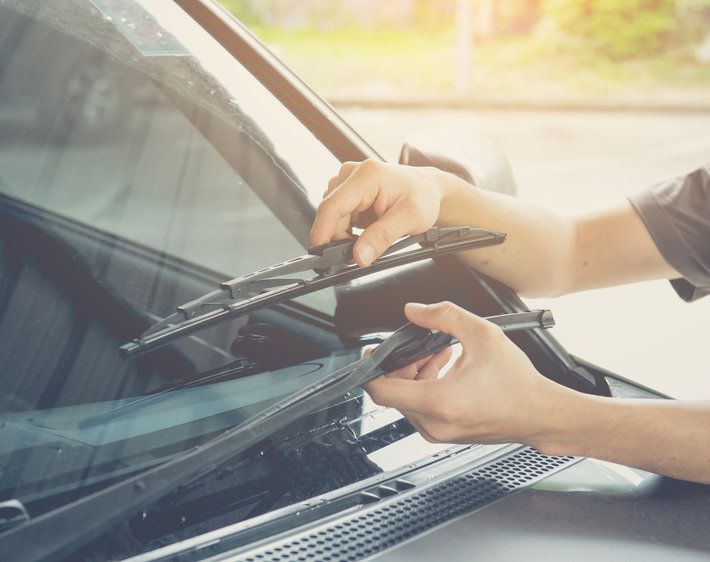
column 119, row 203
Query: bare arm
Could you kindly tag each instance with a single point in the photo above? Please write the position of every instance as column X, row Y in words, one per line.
column 545, row 254
column 493, row 394
column 662, row 436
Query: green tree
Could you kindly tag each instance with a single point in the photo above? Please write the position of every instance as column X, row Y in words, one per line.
column 244, row 10
column 613, row 28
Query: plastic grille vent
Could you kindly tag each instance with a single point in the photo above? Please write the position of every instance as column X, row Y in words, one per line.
column 385, row 524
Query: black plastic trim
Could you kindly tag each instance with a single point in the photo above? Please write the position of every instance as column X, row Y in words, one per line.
column 382, row 525
column 605, row 373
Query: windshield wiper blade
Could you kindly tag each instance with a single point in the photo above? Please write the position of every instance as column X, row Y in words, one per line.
column 68, row 528
column 332, row 264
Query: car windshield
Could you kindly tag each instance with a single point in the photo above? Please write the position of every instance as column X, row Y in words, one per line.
column 141, row 164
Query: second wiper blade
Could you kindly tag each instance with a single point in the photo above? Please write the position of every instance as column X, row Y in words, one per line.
column 67, row 528
column 333, row 265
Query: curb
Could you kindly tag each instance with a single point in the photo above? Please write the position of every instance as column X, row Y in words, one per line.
column 678, row 105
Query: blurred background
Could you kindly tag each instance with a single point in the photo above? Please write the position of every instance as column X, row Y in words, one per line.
column 498, row 52
column 591, row 100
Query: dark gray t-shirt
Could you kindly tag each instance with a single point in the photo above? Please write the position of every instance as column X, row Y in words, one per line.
column 677, row 214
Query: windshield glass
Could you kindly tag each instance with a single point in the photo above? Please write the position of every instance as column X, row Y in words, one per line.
column 140, row 165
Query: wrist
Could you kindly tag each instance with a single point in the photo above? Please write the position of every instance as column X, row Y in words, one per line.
column 453, row 193
column 566, row 422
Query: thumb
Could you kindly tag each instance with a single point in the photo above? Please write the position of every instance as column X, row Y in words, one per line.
column 379, row 236
column 451, row 319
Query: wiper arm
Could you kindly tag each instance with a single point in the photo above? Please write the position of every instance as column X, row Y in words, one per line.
column 67, row 528
column 332, row 264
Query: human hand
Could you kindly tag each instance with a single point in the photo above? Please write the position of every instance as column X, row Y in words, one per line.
column 387, row 200
column 492, row 394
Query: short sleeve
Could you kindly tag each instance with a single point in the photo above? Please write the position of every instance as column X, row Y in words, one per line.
column 677, row 215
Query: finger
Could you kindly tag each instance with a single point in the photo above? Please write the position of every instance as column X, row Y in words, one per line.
column 402, row 394
column 380, row 235
column 418, row 423
column 329, row 225
column 346, row 170
column 355, row 194
column 337, row 180
column 343, row 230
column 407, row 373
column 431, row 369
column 364, row 219
column 332, row 184
column 367, row 351
column 468, row 328
column 410, row 371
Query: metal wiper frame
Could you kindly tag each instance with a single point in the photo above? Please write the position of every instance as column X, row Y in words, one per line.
column 333, row 265
column 69, row 527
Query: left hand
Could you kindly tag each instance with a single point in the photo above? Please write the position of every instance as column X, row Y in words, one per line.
column 387, row 200
column 492, row 394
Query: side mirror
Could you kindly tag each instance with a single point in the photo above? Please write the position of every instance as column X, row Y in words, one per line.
column 472, row 157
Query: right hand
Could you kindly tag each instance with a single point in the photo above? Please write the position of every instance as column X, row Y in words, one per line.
column 387, row 200
column 492, row 393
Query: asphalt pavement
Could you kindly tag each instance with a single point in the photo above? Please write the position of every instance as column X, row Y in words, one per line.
column 576, row 162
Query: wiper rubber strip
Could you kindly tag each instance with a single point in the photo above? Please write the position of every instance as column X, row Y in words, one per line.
column 333, row 265
column 68, row 528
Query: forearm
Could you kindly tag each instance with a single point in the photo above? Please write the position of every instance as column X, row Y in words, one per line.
column 546, row 254
column 535, row 259
column 662, row 436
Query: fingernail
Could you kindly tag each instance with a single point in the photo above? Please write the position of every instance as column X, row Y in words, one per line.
column 367, row 254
